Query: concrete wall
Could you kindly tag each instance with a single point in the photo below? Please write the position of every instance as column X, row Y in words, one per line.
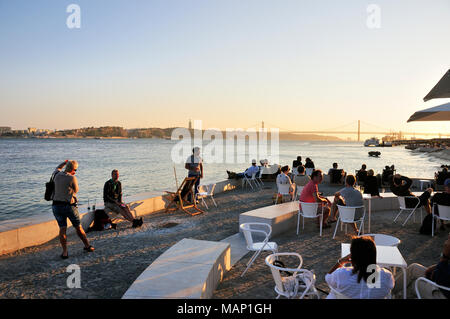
column 32, row 233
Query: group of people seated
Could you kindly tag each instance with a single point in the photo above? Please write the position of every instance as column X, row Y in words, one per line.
column 249, row 172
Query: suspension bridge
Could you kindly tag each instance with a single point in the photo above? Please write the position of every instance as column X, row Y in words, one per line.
column 354, row 128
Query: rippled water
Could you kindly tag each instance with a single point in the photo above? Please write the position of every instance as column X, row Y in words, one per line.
column 145, row 165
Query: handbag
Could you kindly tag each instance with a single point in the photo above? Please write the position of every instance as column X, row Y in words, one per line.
column 50, row 188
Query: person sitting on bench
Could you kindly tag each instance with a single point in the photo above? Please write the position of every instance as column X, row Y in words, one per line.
column 112, row 197
column 337, row 176
column 254, row 169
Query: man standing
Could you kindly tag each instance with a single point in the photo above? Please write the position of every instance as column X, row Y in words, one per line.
column 112, row 197
column 194, row 165
column 65, row 204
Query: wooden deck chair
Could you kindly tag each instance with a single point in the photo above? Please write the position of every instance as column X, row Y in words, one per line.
column 179, row 198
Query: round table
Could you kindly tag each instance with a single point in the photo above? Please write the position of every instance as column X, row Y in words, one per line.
column 384, row 240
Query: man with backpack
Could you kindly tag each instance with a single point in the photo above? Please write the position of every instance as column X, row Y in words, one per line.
column 65, row 204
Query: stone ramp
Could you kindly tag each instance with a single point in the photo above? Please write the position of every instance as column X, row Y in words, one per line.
column 191, row 269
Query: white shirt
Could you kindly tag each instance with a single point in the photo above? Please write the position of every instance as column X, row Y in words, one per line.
column 344, row 281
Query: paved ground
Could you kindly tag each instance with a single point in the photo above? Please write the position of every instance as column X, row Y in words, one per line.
column 320, row 254
column 122, row 254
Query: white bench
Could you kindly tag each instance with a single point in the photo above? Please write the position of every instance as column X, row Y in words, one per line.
column 189, row 269
column 281, row 217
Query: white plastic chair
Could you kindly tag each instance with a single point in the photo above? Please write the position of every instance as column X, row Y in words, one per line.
column 301, row 283
column 205, row 191
column 347, row 216
column 298, row 192
column 309, row 171
column 259, row 176
column 402, row 202
column 309, row 210
column 416, row 285
column 259, row 246
column 444, row 214
column 247, row 181
column 283, row 189
column 255, row 180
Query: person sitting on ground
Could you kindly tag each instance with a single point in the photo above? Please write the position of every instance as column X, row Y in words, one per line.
column 254, row 169
column 284, row 179
column 441, row 176
column 309, row 163
column 348, row 196
column 337, row 176
column 65, row 204
column 301, row 179
column 439, row 273
column 310, row 194
column 400, row 186
column 371, row 184
column 112, row 197
column 442, row 198
column 358, row 280
column 361, row 175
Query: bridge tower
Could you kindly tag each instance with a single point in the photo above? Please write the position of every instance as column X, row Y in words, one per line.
column 359, row 130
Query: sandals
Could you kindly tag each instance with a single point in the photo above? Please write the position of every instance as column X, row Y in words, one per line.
column 89, row 249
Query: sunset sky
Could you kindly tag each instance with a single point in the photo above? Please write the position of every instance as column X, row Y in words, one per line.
column 299, row 65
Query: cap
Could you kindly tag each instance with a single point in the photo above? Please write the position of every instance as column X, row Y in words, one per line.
column 253, row 161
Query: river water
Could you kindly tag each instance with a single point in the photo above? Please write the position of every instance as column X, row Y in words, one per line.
column 145, row 165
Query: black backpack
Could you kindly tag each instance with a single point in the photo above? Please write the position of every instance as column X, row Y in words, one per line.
column 50, row 188
column 425, row 229
column 100, row 220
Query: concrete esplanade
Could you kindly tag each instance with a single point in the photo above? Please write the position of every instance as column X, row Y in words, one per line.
column 19, row 234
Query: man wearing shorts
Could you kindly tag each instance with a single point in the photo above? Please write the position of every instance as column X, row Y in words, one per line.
column 65, row 204
column 112, row 197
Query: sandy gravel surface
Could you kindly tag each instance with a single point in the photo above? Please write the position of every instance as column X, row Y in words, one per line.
column 320, row 254
column 120, row 255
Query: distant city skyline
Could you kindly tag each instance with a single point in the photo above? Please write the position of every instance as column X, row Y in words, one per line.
column 296, row 65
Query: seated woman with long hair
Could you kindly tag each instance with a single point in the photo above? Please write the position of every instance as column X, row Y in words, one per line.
column 364, row 279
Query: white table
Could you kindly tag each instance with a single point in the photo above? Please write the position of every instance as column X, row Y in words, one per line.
column 387, row 256
column 384, row 240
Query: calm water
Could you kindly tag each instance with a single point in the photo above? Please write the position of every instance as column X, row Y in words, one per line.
column 145, row 166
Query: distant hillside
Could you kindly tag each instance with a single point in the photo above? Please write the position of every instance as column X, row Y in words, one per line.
column 307, row 137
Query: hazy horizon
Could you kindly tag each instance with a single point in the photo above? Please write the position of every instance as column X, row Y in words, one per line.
column 230, row 63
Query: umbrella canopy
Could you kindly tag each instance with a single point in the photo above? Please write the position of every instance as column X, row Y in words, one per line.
column 441, row 89
column 437, row 113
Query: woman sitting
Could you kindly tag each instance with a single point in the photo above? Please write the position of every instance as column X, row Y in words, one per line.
column 364, row 279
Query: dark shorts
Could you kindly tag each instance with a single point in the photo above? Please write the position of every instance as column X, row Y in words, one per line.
column 62, row 212
column 423, row 200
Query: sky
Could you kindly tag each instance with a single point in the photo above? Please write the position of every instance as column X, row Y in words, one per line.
column 297, row 65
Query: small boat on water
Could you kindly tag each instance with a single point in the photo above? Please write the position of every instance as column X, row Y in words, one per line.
column 371, row 142
column 374, row 154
